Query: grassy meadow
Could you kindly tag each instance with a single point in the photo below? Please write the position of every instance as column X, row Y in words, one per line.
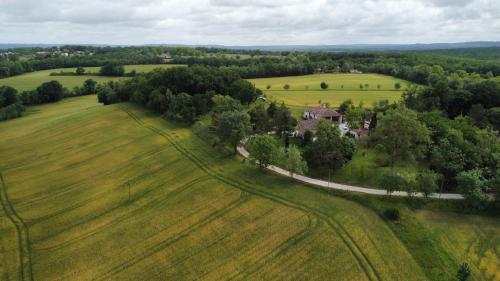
column 469, row 238
column 368, row 165
column 30, row 81
column 305, row 91
column 93, row 192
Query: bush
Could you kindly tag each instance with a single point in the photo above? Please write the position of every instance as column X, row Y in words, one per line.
column 392, row 214
column 393, row 181
column 112, row 69
column 11, row 111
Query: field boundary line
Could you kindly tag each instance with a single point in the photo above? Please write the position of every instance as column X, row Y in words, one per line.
column 25, row 268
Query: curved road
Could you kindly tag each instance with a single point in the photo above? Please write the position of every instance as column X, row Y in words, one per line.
column 243, row 152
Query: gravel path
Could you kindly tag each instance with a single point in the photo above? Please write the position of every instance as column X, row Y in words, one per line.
column 243, row 152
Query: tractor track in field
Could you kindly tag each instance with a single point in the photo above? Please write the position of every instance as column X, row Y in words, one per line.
column 363, row 261
column 25, row 267
column 244, row 197
column 280, row 249
column 91, row 199
column 42, row 195
column 120, row 219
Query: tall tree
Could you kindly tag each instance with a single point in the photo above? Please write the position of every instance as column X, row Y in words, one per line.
column 283, row 120
column 330, row 150
column 50, row 91
column 393, row 181
column 263, row 149
column 243, row 91
column 426, row 182
column 472, row 184
column 400, row 135
column 8, row 96
column 232, row 127
column 293, row 161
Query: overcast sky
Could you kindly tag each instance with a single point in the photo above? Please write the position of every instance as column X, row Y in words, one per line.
column 250, row 22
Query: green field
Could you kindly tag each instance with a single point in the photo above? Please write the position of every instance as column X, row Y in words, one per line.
column 305, row 91
column 192, row 212
column 469, row 238
column 30, row 81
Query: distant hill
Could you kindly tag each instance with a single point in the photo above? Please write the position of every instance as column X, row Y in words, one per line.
column 486, row 53
column 346, row 47
column 16, row 46
column 370, row 47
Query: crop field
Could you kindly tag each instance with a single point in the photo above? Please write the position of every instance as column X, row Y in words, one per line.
column 469, row 238
column 93, row 192
column 30, row 81
column 305, row 91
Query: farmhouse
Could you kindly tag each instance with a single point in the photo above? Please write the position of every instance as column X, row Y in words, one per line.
column 323, row 113
column 313, row 116
column 307, row 125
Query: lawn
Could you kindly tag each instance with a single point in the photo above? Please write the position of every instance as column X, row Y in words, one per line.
column 192, row 212
column 305, row 91
column 367, row 166
column 30, row 81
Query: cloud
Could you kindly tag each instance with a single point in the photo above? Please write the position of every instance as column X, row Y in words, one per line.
column 251, row 22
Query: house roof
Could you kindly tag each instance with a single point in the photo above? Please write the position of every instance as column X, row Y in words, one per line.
column 361, row 132
column 308, row 125
column 323, row 112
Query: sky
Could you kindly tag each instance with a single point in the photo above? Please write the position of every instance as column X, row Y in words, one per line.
column 250, row 22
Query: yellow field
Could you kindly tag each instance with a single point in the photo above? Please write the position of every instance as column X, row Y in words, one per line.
column 305, row 91
column 193, row 213
column 468, row 238
column 30, row 81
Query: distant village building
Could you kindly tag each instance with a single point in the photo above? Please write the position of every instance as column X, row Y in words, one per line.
column 6, row 54
column 355, row 71
column 166, row 57
column 42, row 53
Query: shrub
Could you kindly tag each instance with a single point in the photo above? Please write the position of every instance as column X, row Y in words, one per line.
column 393, row 181
column 11, row 111
column 392, row 214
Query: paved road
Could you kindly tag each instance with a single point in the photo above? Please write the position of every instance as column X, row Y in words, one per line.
column 333, row 185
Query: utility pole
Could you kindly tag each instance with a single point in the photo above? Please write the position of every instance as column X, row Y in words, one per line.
column 129, row 191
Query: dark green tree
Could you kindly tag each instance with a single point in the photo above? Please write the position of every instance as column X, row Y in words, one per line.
column 243, row 91
column 263, row 149
column 400, row 135
column 50, row 91
column 283, row 120
column 233, row 126
column 392, row 181
column 80, row 70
